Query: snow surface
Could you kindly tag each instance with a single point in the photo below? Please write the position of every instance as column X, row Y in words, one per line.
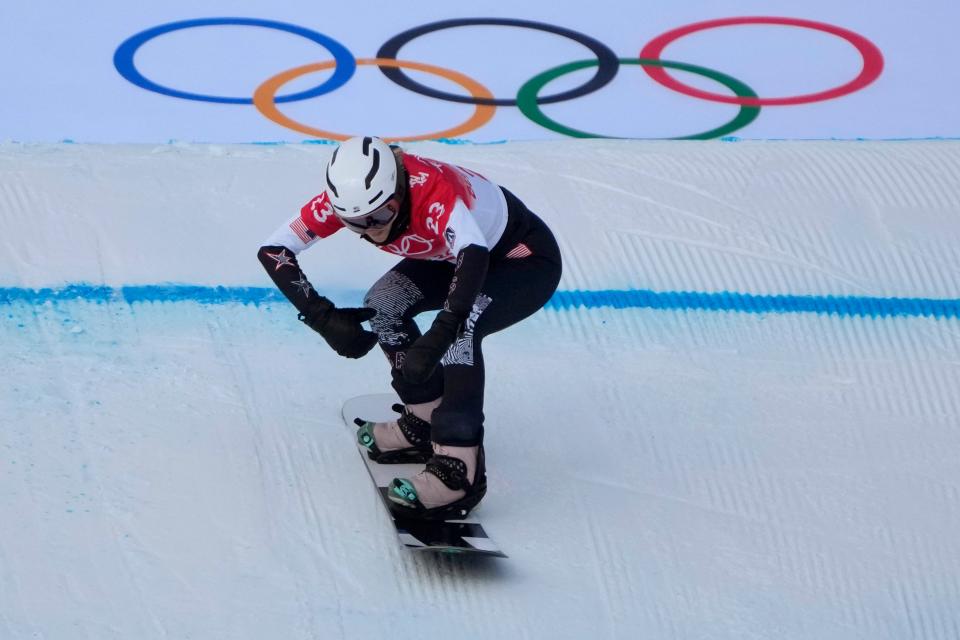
column 178, row 468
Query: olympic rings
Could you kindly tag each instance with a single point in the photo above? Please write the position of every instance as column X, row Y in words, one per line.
column 872, row 61
column 529, row 105
column 123, row 58
column 528, row 99
column 607, row 65
column 263, row 98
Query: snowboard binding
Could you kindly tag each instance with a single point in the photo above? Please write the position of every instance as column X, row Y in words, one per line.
column 404, row 502
column 414, row 429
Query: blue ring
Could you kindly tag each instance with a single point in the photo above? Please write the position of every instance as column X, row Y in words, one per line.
column 123, row 59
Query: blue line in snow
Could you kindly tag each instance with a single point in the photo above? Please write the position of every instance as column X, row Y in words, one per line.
column 617, row 299
column 751, row 303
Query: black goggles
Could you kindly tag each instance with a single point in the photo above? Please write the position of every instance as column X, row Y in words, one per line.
column 376, row 219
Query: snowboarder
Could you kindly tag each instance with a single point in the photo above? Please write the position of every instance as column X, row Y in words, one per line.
column 470, row 249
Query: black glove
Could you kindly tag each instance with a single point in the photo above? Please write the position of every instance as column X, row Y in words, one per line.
column 425, row 354
column 341, row 328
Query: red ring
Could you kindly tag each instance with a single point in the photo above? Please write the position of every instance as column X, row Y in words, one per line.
column 872, row 61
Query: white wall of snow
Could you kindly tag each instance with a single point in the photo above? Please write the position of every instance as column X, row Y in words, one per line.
column 818, row 218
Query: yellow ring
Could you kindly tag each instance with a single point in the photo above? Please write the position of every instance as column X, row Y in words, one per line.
column 263, row 98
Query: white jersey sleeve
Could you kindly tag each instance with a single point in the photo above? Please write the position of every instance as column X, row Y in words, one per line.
column 292, row 236
column 484, row 223
column 462, row 229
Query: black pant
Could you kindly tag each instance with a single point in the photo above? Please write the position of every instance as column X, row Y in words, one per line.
column 514, row 289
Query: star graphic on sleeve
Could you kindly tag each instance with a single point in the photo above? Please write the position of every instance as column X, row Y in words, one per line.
column 283, row 260
column 303, row 285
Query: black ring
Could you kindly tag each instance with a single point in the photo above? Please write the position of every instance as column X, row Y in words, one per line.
column 607, row 68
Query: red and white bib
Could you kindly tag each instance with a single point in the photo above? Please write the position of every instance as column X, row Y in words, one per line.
column 450, row 208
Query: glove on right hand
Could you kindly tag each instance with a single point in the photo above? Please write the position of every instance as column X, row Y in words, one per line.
column 341, row 328
column 424, row 355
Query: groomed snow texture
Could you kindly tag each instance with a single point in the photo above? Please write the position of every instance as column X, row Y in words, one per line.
column 173, row 463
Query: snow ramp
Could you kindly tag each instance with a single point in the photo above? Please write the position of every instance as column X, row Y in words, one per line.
column 738, row 418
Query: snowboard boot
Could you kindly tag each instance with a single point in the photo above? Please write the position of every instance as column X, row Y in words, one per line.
column 404, row 440
column 453, row 482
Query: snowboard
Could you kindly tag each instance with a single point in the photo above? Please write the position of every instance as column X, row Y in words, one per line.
column 442, row 536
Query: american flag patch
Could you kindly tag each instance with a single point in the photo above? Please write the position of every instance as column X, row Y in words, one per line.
column 299, row 228
column 519, row 251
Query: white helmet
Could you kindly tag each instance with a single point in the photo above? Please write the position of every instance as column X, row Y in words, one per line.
column 361, row 176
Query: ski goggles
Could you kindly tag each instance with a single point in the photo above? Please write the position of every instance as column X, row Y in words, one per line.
column 376, row 219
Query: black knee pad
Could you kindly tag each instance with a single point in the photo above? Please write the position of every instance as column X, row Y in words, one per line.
column 419, row 393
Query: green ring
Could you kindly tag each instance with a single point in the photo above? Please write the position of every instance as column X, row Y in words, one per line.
column 527, row 97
